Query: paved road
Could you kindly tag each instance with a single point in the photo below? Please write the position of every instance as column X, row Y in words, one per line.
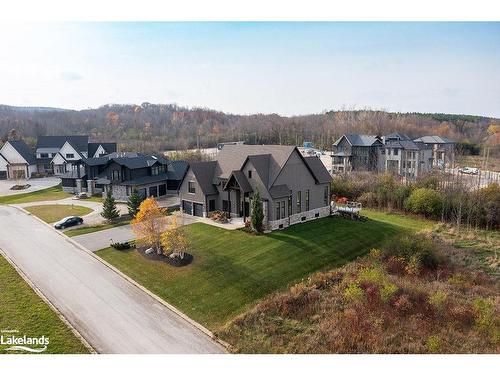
column 111, row 313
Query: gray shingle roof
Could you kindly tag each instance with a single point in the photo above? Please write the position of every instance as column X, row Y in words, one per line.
column 204, row 173
column 318, row 169
column 232, row 157
column 398, row 136
column 241, row 180
column 279, row 191
column 23, row 150
column 79, row 142
column 261, row 165
column 146, row 180
column 180, row 168
column 108, row 147
column 434, row 139
column 359, row 139
column 407, row 145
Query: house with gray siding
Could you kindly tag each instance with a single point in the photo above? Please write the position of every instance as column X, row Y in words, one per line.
column 443, row 150
column 293, row 188
column 357, row 152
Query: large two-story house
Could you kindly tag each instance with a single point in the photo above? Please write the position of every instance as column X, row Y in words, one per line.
column 356, row 152
column 443, row 149
column 293, row 188
column 121, row 173
column 57, row 154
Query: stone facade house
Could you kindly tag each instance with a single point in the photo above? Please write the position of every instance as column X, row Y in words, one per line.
column 293, row 188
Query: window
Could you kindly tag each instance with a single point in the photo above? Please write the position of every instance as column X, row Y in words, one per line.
column 44, row 155
column 70, row 156
column 283, row 209
column 277, row 210
column 154, row 170
column 290, row 204
column 211, row 205
column 388, row 151
column 307, row 200
column 249, row 174
column 191, row 187
column 115, row 175
column 325, row 196
column 396, row 152
column 299, row 201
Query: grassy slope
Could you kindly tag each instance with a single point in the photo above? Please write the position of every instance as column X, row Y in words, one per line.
column 49, row 194
column 54, row 212
column 94, row 228
column 234, row 269
column 23, row 310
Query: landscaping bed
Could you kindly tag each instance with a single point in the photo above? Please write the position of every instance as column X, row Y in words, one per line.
column 175, row 262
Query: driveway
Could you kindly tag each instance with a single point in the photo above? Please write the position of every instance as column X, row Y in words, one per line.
column 36, row 184
column 111, row 313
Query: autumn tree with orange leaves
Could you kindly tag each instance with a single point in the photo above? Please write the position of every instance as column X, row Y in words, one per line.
column 149, row 223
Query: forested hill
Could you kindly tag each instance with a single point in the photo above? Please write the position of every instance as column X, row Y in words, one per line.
column 153, row 127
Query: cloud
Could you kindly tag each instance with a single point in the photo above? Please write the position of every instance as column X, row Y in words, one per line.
column 71, row 76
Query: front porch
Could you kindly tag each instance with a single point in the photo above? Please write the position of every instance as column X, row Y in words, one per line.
column 236, row 196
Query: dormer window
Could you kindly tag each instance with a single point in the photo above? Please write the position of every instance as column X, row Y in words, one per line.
column 154, row 170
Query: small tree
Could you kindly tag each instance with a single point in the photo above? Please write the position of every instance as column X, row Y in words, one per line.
column 174, row 239
column 134, row 202
column 148, row 224
column 257, row 216
column 109, row 210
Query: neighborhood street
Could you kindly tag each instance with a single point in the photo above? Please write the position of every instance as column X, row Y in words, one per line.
column 112, row 314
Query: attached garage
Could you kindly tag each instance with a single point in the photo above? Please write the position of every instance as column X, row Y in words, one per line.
column 153, row 191
column 162, row 190
column 198, row 209
column 187, row 207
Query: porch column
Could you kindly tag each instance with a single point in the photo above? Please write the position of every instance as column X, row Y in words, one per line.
column 90, row 187
column 78, row 185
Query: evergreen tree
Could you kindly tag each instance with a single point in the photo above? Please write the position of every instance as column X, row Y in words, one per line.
column 134, row 202
column 109, row 210
column 257, row 213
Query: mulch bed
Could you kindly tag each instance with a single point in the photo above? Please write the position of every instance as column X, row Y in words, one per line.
column 175, row 262
column 20, row 187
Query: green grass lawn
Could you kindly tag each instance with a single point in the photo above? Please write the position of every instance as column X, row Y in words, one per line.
column 23, row 310
column 94, row 228
column 54, row 212
column 49, row 194
column 404, row 221
column 234, row 269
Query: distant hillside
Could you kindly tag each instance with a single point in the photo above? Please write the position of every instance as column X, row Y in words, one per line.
column 153, row 127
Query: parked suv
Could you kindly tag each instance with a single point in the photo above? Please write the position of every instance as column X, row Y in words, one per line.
column 68, row 222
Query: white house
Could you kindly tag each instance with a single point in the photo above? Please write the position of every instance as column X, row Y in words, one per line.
column 17, row 161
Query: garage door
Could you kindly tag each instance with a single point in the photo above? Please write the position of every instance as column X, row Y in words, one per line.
column 187, row 207
column 162, row 190
column 3, row 175
column 153, row 191
column 198, row 209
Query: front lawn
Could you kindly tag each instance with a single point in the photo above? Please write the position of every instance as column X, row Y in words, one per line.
column 54, row 212
column 23, row 310
column 94, row 228
column 49, row 194
column 234, row 269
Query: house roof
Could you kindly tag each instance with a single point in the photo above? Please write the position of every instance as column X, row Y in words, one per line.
column 204, row 173
column 318, row 169
column 146, row 179
column 398, row 137
column 434, row 139
column 233, row 157
column 241, row 180
column 279, row 191
column 108, row 147
column 359, row 139
column 73, row 173
column 1, row 156
column 261, row 165
column 130, row 160
column 23, row 150
column 407, row 145
column 79, row 142
column 180, row 168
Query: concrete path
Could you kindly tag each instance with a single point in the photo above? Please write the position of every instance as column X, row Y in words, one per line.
column 36, row 184
column 112, row 314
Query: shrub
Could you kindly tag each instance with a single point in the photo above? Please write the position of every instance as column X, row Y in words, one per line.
column 368, row 199
column 433, row 344
column 388, row 291
column 353, row 293
column 437, row 299
column 257, row 215
column 425, row 201
column 121, row 245
column 415, row 249
column 403, row 303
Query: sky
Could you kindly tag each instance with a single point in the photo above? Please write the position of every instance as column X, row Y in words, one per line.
column 285, row 68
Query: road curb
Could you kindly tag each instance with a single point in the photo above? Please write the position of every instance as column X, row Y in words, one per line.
column 195, row 324
column 40, row 294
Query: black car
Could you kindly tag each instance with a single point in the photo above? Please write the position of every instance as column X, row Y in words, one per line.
column 68, row 222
